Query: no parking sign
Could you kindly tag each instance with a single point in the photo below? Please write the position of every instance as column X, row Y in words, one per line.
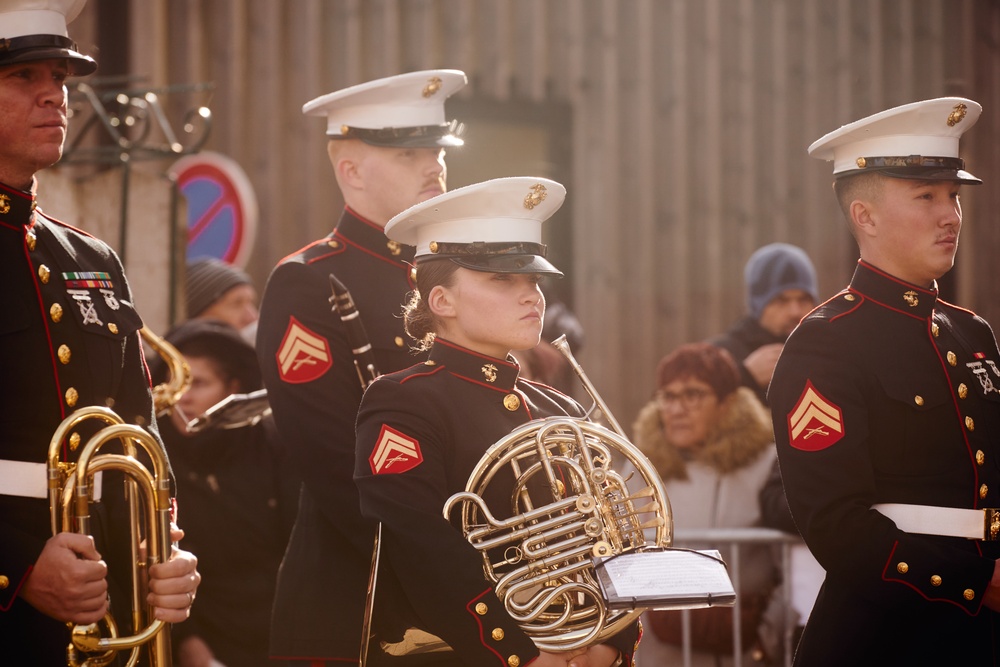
column 221, row 207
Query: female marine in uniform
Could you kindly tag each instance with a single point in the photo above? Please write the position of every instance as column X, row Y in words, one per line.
column 422, row 430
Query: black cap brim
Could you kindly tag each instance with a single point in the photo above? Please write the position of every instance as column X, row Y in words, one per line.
column 506, row 264
column 447, row 135
column 918, row 174
column 32, row 48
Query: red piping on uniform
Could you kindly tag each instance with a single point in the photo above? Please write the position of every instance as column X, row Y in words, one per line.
column 471, row 609
column 422, row 374
column 351, row 243
column 886, row 578
column 454, row 346
column 303, row 249
column 17, row 590
column 48, row 334
column 958, row 413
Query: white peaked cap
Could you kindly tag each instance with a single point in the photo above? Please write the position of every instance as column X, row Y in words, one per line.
column 917, row 140
column 494, row 226
column 412, row 100
column 34, row 30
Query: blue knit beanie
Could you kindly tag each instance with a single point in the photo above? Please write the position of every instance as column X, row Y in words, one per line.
column 773, row 269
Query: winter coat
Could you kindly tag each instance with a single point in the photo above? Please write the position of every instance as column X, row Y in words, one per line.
column 714, row 486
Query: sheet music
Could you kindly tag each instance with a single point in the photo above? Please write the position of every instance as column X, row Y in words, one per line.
column 667, row 578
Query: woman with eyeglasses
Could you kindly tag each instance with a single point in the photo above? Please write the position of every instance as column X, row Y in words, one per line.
column 711, row 441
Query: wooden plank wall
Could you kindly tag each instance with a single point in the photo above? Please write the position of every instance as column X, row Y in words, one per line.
column 689, row 124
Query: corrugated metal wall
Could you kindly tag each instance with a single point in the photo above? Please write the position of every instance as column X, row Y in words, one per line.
column 688, row 124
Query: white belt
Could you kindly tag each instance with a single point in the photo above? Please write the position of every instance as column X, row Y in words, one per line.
column 981, row 524
column 30, row 480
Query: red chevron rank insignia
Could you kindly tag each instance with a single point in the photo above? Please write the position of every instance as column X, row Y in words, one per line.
column 303, row 355
column 394, row 453
column 814, row 423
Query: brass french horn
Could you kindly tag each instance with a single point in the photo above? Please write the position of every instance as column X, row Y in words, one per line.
column 569, row 507
column 147, row 492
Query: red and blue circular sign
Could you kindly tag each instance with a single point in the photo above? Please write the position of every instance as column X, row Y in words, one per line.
column 221, row 207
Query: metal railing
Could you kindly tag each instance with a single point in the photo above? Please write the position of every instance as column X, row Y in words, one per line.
column 732, row 540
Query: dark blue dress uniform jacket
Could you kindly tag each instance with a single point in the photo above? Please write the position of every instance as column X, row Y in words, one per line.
column 63, row 345
column 314, row 392
column 886, row 394
column 420, row 434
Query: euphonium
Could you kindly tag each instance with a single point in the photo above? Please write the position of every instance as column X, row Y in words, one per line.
column 569, row 506
column 147, row 492
column 166, row 394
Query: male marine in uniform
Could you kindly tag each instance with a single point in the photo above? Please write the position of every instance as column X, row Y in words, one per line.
column 386, row 144
column 68, row 339
column 887, row 412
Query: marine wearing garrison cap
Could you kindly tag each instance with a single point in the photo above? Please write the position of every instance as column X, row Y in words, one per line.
column 886, row 406
column 399, row 122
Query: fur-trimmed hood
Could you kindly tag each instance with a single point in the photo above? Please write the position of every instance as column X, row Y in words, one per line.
column 734, row 441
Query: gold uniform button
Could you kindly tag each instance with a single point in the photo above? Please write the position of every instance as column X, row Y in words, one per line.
column 983, row 490
column 333, row 243
column 72, row 396
column 514, row 661
column 919, row 400
column 935, row 580
column 935, row 329
column 902, row 568
column 399, row 341
column 55, row 312
column 31, row 240
column 43, row 274
column 980, row 457
column 497, row 634
column 433, row 246
column 64, row 354
column 112, row 327
column 848, row 297
column 952, row 359
column 481, row 609
column 970, row 423
column 74, row 441
column 511, row 402
column 4, row 582
column 963, row 390
column 968, row 594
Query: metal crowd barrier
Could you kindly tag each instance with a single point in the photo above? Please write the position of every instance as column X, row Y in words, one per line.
column 732, row 539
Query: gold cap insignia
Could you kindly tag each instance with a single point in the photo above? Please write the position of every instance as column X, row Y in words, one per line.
column 861, row 162
column 910, row 297
column 956, row 115
column 535, row 197
column 489, row 372
column 433, row 246
column 394, row 247
column 433, row 85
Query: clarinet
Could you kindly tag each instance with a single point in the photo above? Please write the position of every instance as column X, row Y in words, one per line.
column 364, row 363
column 357, row 337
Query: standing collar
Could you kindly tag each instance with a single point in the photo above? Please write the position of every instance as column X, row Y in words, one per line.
column 499, row 374
column 362, row 233
column 16, row 206
column 877, row 285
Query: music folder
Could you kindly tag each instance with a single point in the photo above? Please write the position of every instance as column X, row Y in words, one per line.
column 666, row 579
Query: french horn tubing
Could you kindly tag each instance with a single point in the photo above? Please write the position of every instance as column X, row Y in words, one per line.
column 570, row 505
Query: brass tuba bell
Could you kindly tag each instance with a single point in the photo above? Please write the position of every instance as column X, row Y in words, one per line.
column 569, row 506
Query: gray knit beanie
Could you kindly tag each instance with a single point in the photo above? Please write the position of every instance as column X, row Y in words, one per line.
column 773, row 269
column 207, row 280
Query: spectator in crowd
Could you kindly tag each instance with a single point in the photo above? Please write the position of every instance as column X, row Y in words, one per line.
column 216, row 290
column 710, row 440
column 238, row 500
column 781, row 290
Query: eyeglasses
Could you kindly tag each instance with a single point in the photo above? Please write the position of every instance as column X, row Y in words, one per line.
column 688, row 398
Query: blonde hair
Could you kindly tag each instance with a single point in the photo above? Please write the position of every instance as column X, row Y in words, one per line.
column 420, row 323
